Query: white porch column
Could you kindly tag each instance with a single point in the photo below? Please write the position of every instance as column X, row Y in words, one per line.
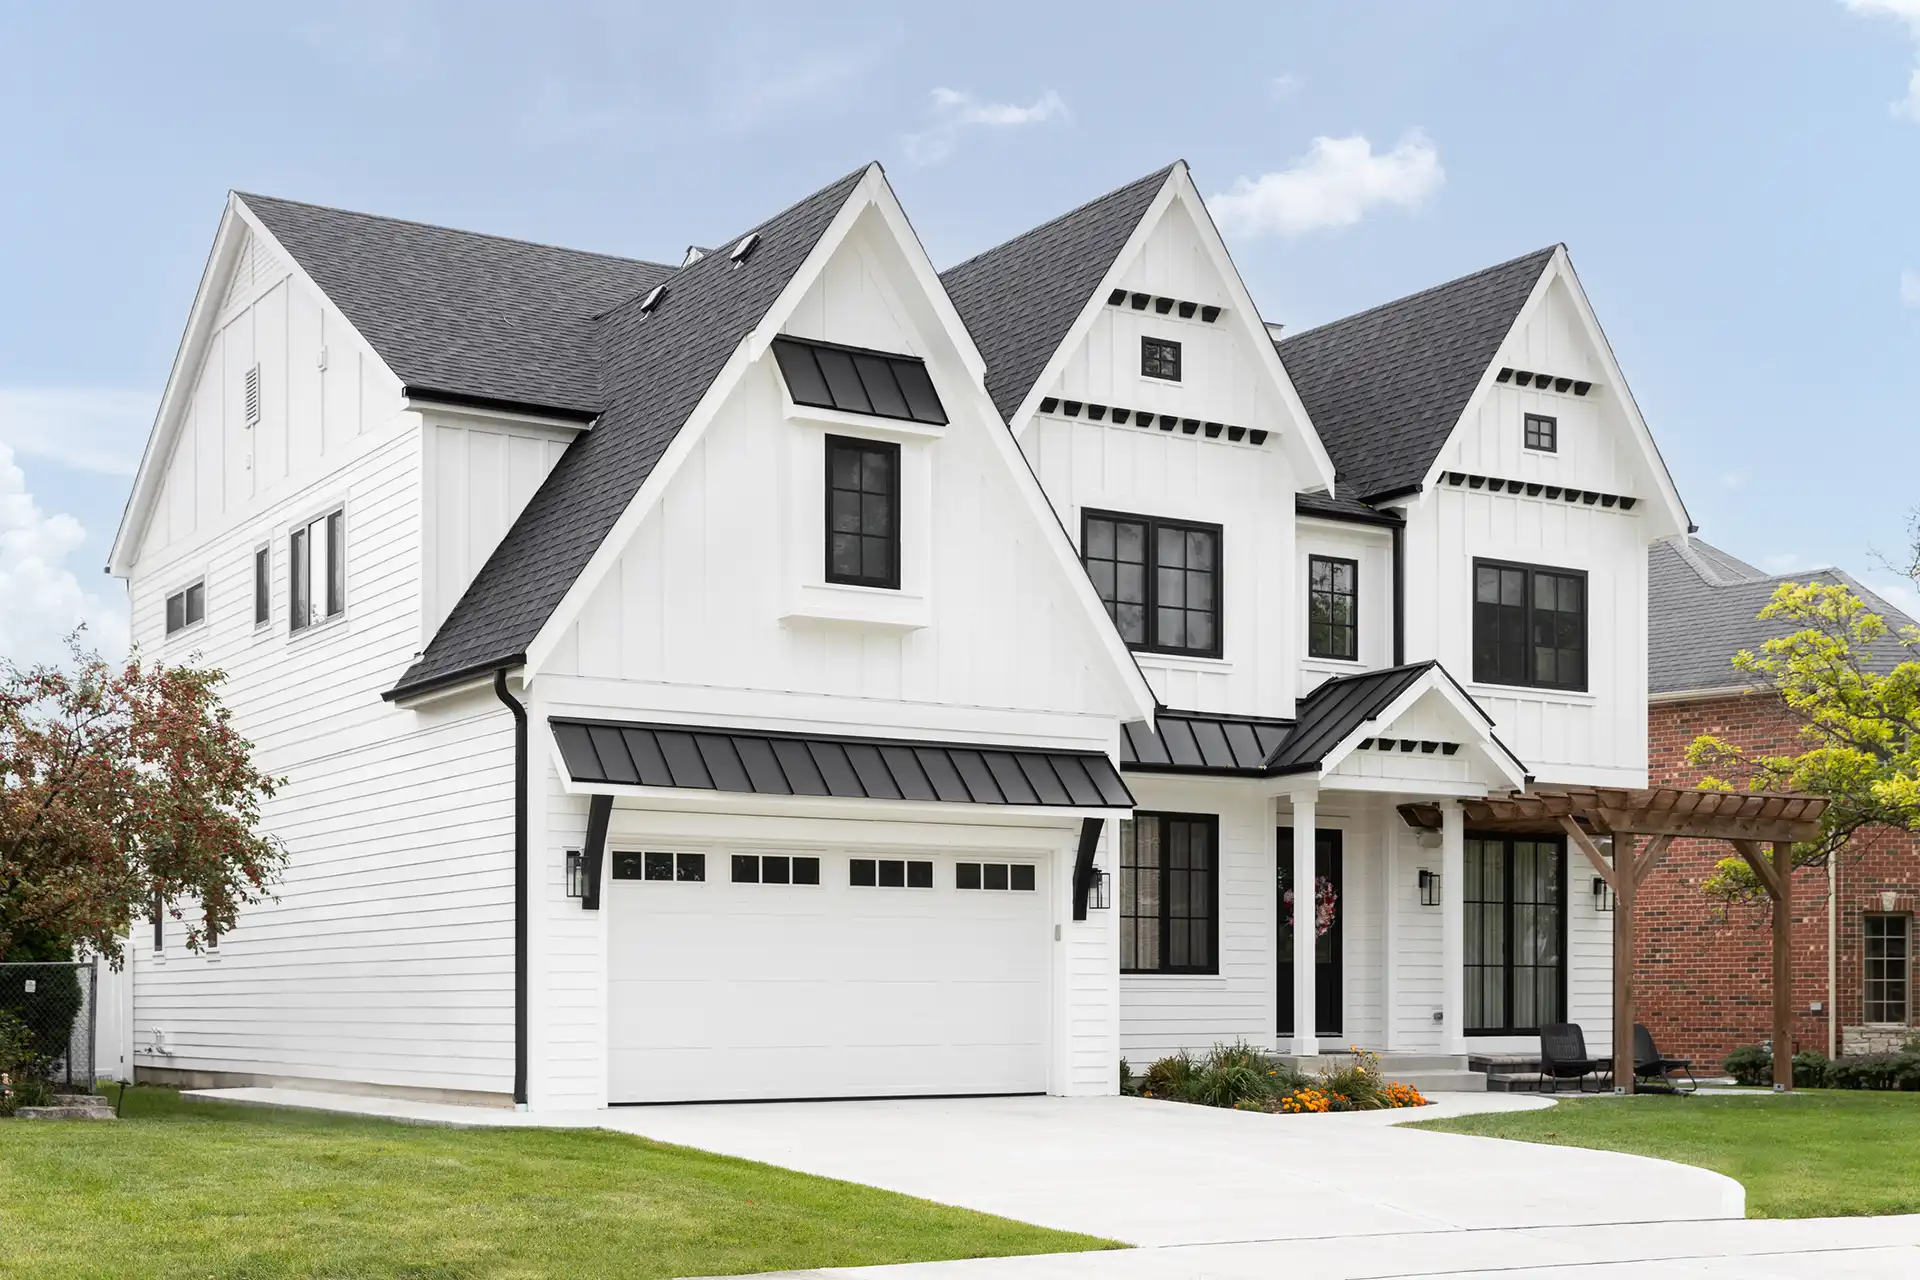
column 1453, row 933
column 1306, row 1039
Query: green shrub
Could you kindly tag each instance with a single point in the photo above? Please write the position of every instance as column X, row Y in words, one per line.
column 1358, row 1086
column 1170, row 1077
column 1811, row 1070
column 1228, row 1075
column 1750, row 1065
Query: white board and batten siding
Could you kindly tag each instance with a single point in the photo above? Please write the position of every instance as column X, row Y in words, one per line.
column 1371, row 550
column 1595, row 736
column 387, row 957
column 1245, row 488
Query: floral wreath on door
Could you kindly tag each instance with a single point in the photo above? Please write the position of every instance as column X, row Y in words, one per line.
column 1325, row 904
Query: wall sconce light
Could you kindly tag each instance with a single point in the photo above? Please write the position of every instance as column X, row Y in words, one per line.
column 1602, row 895
column 1099, row 898
column 576, row 876
column 1429, row 888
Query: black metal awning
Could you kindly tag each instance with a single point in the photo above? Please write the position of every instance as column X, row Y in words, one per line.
column 614, row 753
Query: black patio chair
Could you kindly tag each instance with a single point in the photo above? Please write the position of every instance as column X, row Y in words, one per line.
column 1563, row 1056
column 1650, row 1067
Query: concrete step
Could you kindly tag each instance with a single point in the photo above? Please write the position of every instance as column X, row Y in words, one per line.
column 1392, row 1062
column 101, row 1112
column 1432, row 1082
column 1513, row 1082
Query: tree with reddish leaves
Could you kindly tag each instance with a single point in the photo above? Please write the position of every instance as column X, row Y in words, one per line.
column 122, row 787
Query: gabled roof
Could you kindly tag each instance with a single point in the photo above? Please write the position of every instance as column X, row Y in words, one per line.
column 1384, row 388
column 1019, row 299
column 462, row 314
column 655, row 366
column 1328, row 716
column 1702, row 607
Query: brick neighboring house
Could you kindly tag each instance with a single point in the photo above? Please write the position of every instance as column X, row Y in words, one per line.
column 1704, row 967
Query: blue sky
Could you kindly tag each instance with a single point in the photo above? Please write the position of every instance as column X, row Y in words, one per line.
column 1737, row 181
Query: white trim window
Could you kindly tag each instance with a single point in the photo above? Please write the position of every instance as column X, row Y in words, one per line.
column 317, row 568
column 187, row 607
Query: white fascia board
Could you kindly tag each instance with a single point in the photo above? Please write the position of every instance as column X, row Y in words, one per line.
column 1560, row 267
column 1435, row 680
column 236, row 221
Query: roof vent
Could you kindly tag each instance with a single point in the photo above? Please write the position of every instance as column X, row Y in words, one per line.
column 253, row 396
column 744, row 250
column 1274, row 330
column 694, row 254
column 654, row 297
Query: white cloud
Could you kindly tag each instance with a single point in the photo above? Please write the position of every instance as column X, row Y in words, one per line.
column 955, row 110
column 88, row 429
column 1910, row 288
column 1908, row 13
column 1334, row 185
column 1284, row 85
column 41, row 600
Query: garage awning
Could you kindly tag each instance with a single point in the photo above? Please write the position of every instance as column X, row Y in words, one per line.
column 602, row 752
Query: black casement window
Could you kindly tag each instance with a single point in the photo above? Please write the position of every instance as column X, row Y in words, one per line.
column 1170, row 893
column 1160, row 358
column 262, row 586
column 1889, row 971
column 1543, row 433
column 1529, row 625
column 1516, row 934
column 1333, row 607
column 863, row 512
column 187, row 607
column 1160, row 580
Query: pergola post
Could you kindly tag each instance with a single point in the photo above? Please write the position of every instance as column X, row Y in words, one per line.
column 1783, row 965
column 1624, row 884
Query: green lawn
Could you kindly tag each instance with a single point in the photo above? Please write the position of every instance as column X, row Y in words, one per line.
column 187, row 1189
column 1813, row 1154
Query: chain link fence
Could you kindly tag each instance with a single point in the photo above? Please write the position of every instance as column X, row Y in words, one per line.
column 57, row 1005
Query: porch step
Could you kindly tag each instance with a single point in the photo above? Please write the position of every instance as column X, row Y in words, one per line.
column 69, row 1107
column 1427, row 1072
column 1431, row 1082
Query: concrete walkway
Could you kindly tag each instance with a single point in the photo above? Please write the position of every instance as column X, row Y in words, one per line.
column 1156, row 1173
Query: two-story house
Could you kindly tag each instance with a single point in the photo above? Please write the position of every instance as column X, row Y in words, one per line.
column 801, row 673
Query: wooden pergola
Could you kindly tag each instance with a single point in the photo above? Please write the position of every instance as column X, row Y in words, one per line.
column 1642, row 823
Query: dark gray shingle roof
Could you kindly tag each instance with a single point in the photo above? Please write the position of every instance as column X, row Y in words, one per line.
column 462, row 313
column 1701, row 610
column 654, row 367
column 1019, row 299
column 1384, row 388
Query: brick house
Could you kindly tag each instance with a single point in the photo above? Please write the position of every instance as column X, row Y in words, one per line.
column 1703, row 966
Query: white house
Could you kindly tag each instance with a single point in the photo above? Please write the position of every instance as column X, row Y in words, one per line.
column 799, row 673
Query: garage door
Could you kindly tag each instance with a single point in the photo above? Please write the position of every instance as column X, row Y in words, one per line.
column 815, row 974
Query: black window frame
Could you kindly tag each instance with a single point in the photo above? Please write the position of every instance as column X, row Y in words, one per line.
column 678, row 867
column 1151, row 605
column 889, row 873
column 1507, row 966
column 1151, row 362
column 1352, row 625
column 1869, row 979
column 1128, row 873
column 1526, row 675
column 192, row 599
column 1541, row 432
column 888, row 580
column 995, row 877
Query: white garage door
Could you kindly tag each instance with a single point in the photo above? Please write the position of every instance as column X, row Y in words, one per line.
column 815, row 974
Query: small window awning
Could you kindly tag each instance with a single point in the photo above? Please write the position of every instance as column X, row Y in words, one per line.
column 853, row 380
column 612, row 753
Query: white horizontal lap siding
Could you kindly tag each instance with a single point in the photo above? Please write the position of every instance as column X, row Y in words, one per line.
column 1589, row 958
column 1418, row 978
column 386, row 955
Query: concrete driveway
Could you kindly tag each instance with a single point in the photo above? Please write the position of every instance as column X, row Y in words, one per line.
column 1160, row 1173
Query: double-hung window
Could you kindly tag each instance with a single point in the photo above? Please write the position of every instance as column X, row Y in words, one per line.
column 1529, row 625
column 1159, row 579
column 317, row 566
column 1889, row 961
column 1169, row 893
column 1333, row 606
column 863, row 512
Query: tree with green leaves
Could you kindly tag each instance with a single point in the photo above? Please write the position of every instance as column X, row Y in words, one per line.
column 1853, row 684
column 123, row 786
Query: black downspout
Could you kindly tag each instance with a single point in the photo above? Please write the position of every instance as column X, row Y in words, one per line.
column 519, row 885
column 1399, row 596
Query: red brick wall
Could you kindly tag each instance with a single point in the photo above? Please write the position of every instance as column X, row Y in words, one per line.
column 1704, row 969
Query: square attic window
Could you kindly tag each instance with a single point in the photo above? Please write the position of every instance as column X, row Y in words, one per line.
column 852, row 380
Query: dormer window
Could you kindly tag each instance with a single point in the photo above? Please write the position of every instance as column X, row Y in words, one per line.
column 863, row 512
column 1543, row 433
column 1160, row 358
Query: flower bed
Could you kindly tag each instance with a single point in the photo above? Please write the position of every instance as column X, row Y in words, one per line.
column 1248, row 1079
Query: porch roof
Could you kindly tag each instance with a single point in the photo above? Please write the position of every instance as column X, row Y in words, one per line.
column 1648, row 811
column 622, row 754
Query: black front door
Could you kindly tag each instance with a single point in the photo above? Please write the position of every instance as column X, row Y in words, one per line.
column 1328, row 981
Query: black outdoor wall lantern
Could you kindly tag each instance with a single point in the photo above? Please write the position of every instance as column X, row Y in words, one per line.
column 1099, row 898
column 576, row 876
column 1429, row 888
column 1602, row 894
